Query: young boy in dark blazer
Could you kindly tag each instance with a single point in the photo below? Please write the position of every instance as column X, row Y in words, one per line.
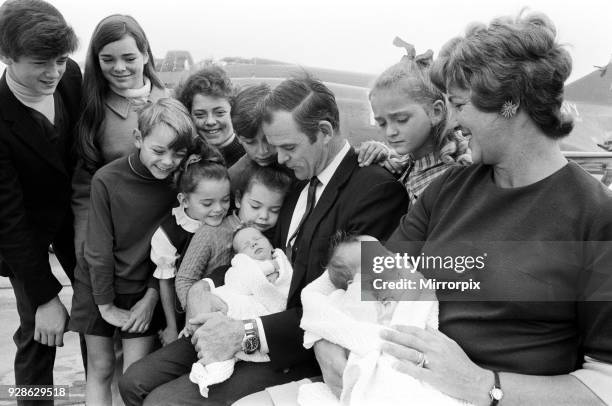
column 40, row 94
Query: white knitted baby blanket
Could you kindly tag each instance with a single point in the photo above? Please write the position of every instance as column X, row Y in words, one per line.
column 369, row 378
column 248, row 295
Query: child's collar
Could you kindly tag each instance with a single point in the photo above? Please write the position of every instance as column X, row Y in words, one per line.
column 138, row 167
column 182, row 219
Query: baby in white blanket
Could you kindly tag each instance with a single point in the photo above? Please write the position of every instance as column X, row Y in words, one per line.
column 257, row 284
column 334, row 311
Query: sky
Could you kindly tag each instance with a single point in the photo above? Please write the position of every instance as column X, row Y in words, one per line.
column 353, row 35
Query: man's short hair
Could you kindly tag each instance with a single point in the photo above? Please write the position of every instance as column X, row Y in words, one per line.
column 34, row 28
column 308, row 100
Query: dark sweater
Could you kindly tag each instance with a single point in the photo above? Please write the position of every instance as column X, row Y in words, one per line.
column 127, row 205
column 542, row 338
column 232, row 152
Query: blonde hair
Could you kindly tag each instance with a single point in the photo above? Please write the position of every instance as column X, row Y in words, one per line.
column 171, row 113
column 412, row 76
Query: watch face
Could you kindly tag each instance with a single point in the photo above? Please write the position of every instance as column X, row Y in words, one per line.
column 497, row 394
column 250, row 344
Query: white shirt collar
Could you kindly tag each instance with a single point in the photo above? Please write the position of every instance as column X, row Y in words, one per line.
column 182, row 219
column 324, row 178
column 327, row 173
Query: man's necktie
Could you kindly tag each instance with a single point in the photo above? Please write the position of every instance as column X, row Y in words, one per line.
column 293, row 241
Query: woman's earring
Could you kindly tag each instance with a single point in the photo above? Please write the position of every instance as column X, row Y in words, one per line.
column 509, row 109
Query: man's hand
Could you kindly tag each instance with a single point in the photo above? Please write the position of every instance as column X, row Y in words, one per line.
column 219, row 338
column 332, row 361
column 50, row 323
column 142, row 313
column 114, row 315
column 201, row 301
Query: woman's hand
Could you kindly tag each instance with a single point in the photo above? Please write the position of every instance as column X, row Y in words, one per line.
column 114, row 315
column 142, row 313
column 444, row 365
column 332, row 361
column 372, row 152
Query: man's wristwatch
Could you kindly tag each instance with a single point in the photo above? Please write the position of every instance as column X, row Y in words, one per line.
column 250, row 342
column 496, row 394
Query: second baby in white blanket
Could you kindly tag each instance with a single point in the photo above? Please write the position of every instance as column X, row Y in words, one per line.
column 334, row 311
column 257, row 284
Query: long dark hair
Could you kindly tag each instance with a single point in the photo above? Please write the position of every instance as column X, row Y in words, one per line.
column 110, row 29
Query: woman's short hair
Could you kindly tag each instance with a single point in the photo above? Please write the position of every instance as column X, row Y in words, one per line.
column 246, row 110
column 211, row 80
column 171, row 113
column 309, row 101
column 511, row 60
column 34, row 28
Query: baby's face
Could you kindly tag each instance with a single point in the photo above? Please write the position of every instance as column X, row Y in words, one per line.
column 251, row 242
column 344, row 264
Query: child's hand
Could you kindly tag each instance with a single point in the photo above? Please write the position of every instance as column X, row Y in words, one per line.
column 142, row 313
column 188, row 330
column 168, row 335
column 273, row 276
column 184, row 333
column 395, row 164
column 372, row 152
column 114, row 315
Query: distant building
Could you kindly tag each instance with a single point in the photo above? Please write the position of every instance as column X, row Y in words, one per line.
column 176, row 61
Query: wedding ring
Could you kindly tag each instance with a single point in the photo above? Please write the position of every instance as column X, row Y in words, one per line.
column 421, row 360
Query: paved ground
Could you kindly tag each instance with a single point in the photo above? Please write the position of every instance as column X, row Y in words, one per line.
column 68, row 365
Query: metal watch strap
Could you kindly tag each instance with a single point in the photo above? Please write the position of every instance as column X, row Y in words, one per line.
column 250, row 342
column 250, row 327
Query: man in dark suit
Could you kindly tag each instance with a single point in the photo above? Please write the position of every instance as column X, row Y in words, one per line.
column 40, row 95
column 301, row 120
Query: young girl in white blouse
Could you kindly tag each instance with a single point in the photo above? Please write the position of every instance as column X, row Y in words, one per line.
column 203, row 199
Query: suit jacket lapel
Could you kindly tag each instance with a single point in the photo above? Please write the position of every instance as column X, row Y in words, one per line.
column 25, row 128
column 330, row 194
column 324, row 204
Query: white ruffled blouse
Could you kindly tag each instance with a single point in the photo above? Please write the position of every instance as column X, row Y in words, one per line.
column 163, row 253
